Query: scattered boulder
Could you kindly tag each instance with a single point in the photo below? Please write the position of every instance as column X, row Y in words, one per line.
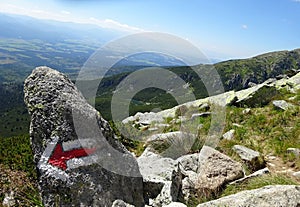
column 216, row 170
column 162, row 178
column 282, row 105
column 73, row 145
column 144, row 118
column 229, row 135
column 252, row 158
column 275, row 196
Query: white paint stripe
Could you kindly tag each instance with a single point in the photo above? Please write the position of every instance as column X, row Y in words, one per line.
column 48, row 151
column 84, row 161
column 48, row 169
column 79, row 143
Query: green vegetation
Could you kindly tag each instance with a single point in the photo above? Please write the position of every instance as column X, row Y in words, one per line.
column 17, row 171
column 259, row 182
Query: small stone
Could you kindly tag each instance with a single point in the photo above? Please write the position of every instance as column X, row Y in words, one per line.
column 247, row 111
column 204, row 107
column 9, row 200
column 297, row 174
column 294, row 151
column 120, row 203
column 204, row 114
column 237, row 125
column 229, row 135
column 176, row 204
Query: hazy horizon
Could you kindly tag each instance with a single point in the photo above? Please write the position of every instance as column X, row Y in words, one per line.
column 231, row 30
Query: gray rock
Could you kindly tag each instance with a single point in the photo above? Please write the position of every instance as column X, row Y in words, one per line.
column 144, row 118
column 251, row 157
column 165, row 136
column 282, row 105
column 246, row 153
column 189, row 185
column 9, row 200
column 294, row 151
column 251, row 84
column 189, row 162
column 204, row 114
column 120, row 203
column 176, row 204
column 204, row 107
column 256, row 96
column 73, row 147
column 296, row 174
column 162, row 125
column 162, row 178
column 275, row 196
column 216, row 170
column 229, row 135
column 247, row 111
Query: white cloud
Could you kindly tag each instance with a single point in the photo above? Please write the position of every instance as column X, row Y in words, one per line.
column 296, row 1
column 112, row 24
column 65, row 12
column 66, row 16
column 244, row 26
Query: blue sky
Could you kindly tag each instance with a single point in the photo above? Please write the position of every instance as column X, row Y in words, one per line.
column 221, row 29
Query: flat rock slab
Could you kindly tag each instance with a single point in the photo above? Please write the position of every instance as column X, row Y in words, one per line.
column 275, row 196
column 78, row 159
column 246, row 153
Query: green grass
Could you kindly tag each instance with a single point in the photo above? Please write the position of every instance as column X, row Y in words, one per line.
column 17, row 171
column 259, row 182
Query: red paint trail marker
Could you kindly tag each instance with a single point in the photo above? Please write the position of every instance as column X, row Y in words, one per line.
column 59, row 157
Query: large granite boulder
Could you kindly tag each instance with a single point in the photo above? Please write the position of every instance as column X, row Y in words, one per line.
column 215, row 171
column 79, row 161
column 275, row 196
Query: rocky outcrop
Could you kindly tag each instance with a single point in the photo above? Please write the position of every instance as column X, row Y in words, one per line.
column 275, row 196
column 79, row 160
